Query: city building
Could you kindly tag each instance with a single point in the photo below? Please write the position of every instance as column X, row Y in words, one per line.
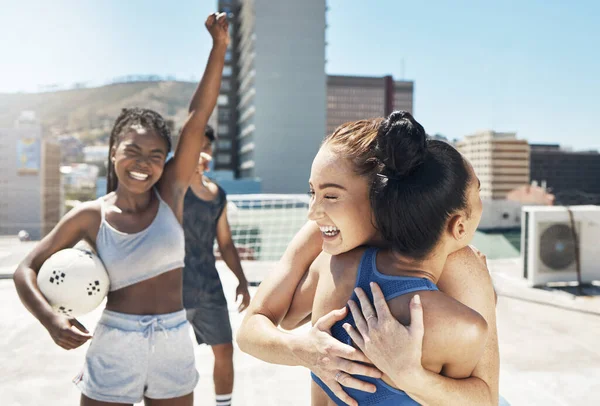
column 500, row 160
column 271, row 108
column 71, row 148
column 97, row 154
column 276, row 103
column 573, row 176
column 30, row 180
column 351, row 98
column 79, row 176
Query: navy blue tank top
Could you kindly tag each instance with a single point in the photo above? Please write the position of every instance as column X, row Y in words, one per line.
column 392, row 286
column 201, row 282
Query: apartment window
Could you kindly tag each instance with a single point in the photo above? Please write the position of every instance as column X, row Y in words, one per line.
column 245, row 141
column 224, row 114
column 247, row 173
column 223, row 159
column 227, row 70
column 247, row 165
column 223, row 100
column 223, row 130
column 224, row 144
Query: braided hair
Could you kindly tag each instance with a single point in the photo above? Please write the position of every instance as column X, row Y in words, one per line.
column 146, row 118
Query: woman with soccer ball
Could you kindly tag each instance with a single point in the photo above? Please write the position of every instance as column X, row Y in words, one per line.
column 142, row 347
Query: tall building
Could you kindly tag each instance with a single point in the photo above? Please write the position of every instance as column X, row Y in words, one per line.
column 30, row 180
column 226, row 151
column 351, row 98
column 571, row 175
column 272, row 101
column 500, row 160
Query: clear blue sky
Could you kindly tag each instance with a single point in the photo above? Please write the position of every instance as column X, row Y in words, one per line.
column 529, row 66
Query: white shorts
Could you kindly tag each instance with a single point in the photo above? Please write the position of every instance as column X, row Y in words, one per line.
column 132, row 357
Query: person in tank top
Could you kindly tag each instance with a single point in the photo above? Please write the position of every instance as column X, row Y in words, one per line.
column 204, row 221
column 381, row 183
column 142, row 348
column 424, row 199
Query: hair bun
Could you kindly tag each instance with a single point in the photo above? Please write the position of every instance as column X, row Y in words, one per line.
column 401, row 144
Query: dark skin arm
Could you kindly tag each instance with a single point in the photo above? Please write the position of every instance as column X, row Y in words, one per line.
column 83, row 222
column 178, row 172
column 232, row 259
column 66, row 332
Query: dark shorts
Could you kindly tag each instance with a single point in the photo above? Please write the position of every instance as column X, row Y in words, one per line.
column 211, row 323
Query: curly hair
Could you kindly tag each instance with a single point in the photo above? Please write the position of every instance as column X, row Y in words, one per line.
column 136, row 116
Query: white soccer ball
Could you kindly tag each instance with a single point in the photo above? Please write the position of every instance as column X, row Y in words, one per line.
column 73, row 281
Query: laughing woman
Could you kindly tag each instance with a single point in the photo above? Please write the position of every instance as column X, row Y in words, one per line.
column 358, row 167
column 142, row 347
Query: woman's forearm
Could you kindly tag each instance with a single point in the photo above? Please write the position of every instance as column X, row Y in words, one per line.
column 232, row 260
column 432, row 389
column 260, row 338
column 25, row 280
column 205, row 96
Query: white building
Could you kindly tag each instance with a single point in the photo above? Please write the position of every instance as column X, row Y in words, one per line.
column 31, row 197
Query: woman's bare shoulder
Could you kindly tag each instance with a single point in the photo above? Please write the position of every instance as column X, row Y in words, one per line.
column 341, row 262
column 466, row 278
column 87, row 216
column 442, row 313
column 453, row 331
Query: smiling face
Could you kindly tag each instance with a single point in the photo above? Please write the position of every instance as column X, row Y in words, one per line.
column 139, row 159
column 339, row 203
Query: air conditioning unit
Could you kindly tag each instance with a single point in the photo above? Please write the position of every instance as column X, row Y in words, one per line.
column 548, row 247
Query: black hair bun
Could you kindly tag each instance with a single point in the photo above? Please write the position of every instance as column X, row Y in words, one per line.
column 401, row 144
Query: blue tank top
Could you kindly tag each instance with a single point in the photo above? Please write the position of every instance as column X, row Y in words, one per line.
column 132, row 258
column 392, row 286
column 201, row 282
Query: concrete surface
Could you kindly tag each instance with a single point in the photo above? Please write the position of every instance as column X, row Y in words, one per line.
column 549, row 347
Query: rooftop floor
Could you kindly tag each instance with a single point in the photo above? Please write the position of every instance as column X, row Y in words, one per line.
column 548, row 346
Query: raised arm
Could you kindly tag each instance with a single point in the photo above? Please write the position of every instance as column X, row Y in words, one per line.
column 179, row 170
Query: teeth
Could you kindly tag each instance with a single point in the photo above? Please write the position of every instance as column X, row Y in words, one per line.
column 138, row 175
column 329, row 230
